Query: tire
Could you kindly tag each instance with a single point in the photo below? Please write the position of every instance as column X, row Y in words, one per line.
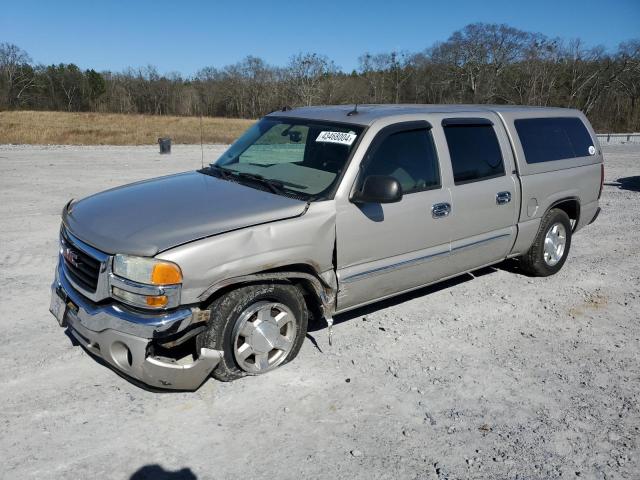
column 246, row 322
column 540, row 262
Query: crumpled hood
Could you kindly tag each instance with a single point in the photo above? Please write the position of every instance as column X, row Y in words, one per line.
column 154, row 215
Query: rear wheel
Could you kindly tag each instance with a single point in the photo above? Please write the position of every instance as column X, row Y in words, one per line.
column 258, row 327
column 551, row 246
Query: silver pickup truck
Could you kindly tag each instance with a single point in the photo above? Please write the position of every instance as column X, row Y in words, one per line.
column 312, row 212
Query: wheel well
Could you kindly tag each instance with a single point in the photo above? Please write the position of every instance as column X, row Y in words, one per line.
column 310, row 298
column 571, row 206
column 314, row 303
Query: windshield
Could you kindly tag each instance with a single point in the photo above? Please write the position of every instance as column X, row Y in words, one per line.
column 300, row 157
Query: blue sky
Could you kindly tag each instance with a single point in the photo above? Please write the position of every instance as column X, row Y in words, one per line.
column 184, row 36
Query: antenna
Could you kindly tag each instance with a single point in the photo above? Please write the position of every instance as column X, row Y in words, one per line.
column 354, row 111
column 201, row 146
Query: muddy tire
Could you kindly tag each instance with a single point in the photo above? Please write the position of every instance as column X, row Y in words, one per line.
column 259, row 327
column 550, row 247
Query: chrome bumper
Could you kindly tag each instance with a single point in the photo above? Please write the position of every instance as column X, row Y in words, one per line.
column 121, row 338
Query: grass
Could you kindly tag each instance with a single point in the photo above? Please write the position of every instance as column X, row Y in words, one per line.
column 63, row 128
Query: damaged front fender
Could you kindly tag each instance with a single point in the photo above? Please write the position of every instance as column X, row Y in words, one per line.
column 264, row 252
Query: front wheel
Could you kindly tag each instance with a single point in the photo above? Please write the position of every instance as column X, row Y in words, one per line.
column 258, row 327
column 551, row 245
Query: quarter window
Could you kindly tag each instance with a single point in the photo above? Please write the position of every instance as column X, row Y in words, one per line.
column 549, row 139
column 408, row 156
column 474, row 151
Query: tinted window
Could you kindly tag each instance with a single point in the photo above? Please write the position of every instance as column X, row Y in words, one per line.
column 475, row 152
column 548, row 139
column 409, row 157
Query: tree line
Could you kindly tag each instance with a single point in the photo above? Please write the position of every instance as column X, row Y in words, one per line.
column 481, row 63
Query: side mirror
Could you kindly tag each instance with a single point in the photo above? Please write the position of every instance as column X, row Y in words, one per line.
column 378, row 189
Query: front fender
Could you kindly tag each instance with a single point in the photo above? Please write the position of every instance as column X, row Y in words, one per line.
column 306, row 240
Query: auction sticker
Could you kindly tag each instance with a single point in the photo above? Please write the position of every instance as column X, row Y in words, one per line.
column 336, row 137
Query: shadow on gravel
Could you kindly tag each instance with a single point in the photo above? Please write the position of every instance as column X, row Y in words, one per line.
column 156, row 472
column 507, row 265
column 626, row 183
column 313, row 340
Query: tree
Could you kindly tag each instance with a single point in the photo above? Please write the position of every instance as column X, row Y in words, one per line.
column 480, row 63
column 479, row 53
column 96, row 86
column 629, row 79
column 306, row 72
column 16, row 74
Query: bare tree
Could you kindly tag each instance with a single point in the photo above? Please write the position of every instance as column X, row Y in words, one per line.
column 17, row 75
column 481, row 63
column 306, row 72
column 629, row 78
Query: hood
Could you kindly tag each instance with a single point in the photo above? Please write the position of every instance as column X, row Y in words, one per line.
column 148, row 217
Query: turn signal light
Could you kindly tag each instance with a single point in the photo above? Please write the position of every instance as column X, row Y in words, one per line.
column 166, row 274
column 157, row 301
column 137, row 300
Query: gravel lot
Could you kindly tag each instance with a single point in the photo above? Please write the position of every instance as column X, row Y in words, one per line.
column 495, row 375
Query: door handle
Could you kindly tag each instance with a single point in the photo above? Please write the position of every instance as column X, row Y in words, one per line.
column 503, row 197
column 440, row 210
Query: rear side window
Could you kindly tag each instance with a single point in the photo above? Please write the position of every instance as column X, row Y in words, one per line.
column 408, row 156
column 549, row 139
column 474, row 151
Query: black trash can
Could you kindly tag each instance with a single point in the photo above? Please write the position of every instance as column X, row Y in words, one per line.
column 165, row 145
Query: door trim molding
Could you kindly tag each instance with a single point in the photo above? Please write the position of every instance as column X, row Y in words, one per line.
column 413, row 261
column 387, row 268
column 479, row 242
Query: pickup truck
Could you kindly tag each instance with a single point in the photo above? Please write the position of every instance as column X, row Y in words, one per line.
column 312, row 212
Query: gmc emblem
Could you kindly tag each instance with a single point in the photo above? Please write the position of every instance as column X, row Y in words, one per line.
column 71, row 257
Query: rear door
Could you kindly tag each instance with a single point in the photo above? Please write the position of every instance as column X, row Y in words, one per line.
column 485, row 190
column 384, row 249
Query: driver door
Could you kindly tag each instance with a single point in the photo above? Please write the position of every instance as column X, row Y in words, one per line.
column 387, row 248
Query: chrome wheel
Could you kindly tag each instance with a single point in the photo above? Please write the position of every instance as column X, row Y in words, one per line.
column 555, row 242
column 263, row 336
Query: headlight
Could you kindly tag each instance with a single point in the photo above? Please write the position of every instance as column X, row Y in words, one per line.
column 146, row 282
column 147, row 270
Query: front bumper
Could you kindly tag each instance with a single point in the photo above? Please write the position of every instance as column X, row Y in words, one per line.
column 122, row 337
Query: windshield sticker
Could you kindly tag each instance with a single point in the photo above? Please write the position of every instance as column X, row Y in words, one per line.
column 337, row 137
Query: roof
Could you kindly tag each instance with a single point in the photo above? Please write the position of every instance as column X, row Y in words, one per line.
column 367, row 114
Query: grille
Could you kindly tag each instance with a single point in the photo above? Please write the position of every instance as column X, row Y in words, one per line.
column 81, row 268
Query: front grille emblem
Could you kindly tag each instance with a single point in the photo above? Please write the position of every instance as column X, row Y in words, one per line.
column 71, row 257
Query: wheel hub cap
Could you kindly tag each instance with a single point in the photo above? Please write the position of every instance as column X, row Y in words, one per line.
column 263, row 336
column 554, row 244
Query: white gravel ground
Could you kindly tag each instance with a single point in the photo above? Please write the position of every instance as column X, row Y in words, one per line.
column 495, row 375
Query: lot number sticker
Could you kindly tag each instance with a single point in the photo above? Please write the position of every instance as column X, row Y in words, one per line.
column 336, row 137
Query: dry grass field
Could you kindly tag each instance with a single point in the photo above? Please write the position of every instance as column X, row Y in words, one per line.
column 62, row 128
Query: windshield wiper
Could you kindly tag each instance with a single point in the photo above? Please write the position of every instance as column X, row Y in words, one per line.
column 275, row 186
column 223, row 172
